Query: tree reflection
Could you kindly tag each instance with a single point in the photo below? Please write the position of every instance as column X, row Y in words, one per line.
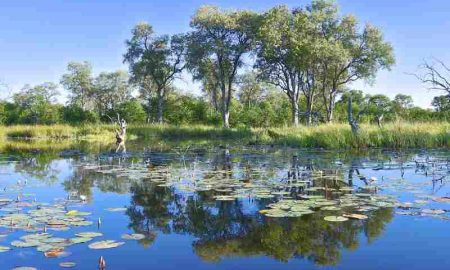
column 228, row 229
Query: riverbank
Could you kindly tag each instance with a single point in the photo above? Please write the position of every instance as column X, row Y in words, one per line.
column 331, row 136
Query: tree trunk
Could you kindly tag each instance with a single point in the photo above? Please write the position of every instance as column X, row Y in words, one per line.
column 309, row 108
column 226, row 118
column 160, row 107
column 149, row 110
column 294, row 112
column 351, row 121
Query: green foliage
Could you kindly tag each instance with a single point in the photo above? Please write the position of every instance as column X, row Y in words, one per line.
column 78, row 82
column 216, row 48
column 74, row 114
column 132, row 111
column 159, row 59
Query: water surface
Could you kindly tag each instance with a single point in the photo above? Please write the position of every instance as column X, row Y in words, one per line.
column 199, row 207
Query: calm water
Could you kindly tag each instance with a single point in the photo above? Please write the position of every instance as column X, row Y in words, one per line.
column 198, row 207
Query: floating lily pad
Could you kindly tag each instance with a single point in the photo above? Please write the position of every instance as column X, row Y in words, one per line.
column 89, row 234
column 335, row 218
column 4, row 249
column 117, row 209
column 134, row 236
column 355, row 216
column 432, row 211
column 67, row 264
column 105, row 244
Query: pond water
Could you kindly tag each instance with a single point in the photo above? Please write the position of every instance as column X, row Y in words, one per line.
column 197, row 207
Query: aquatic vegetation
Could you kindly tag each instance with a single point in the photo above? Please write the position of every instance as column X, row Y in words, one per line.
column 106, row 244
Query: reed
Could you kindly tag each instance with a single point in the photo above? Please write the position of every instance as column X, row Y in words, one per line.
column 332, row 136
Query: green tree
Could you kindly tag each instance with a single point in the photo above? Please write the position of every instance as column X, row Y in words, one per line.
column 111, row 89
column 402, row 104
column 78, row 82
column 441, row 103
column 220, row 39
column 132, row 111
column 35, row 104
column 347, row 54
column 155, row 58
column 251, row 91
column 287, row 56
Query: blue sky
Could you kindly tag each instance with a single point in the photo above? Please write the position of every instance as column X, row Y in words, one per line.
column 39, row 38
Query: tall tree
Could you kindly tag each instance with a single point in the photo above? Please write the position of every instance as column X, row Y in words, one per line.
column 251, row 91
column 287, row 56
column 79, row 83
column 111, row 89
column 435, row 75
column 348, row 54
column 441, row 103
column 35, row 104
column 220, row 39
column 158, row 58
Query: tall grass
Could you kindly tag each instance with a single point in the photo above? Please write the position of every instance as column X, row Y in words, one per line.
column 59, row 132
column 334, row 136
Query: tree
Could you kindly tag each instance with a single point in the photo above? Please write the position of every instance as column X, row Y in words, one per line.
column 347, row 54
column 251, row 91
column 110, row 89
column 441, row 103
column 155, row 58
column 378, row 106
column 79, row 83
column 402, row 104
column 435, row 75
column 287, row 56
column 34, row 104
column 220, row 40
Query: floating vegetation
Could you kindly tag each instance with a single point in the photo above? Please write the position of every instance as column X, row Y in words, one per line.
column 105, row 244
column 134, row 236
column 118, row 209
column 335, row 218
column 67, row 264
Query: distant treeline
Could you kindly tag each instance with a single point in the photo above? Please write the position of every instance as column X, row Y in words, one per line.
column 275, row 68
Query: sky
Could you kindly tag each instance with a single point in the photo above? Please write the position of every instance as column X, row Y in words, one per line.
column 39, row 38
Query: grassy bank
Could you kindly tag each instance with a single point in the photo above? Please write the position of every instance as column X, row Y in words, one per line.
column 58, row 132
column 392, row 135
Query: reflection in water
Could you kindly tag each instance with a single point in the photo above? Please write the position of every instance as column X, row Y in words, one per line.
column 235, row 228
column 227, row 229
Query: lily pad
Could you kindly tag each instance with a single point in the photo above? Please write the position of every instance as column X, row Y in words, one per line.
column 134, row 236
column 4, row 249
column 67, row 264
column 355, row 216
column 117, row 209
column 335, row 218
column 105, row 244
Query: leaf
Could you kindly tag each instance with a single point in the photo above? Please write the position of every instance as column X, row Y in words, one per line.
column 442, row 199
column 355, row 216
column 335, row 218
column 105, row 244
column 134, row 236
column 89, row 234
column 67, row 264
column 4, row 249
column 118, row 209
column 53, row 253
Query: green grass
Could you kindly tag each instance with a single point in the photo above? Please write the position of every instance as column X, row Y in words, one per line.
column 59, row 132
column 331, row 136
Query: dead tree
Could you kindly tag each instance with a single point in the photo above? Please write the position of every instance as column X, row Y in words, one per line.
column 436, row 75
column 121, row 132
column 354, row 121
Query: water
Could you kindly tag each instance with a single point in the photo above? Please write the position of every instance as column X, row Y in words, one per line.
column 179, row 199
